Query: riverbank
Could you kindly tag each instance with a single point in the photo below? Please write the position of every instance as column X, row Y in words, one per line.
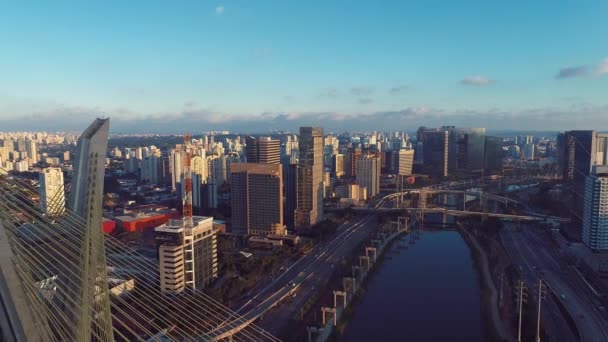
column 495, row 329
column 329, row 332
column 361, row 289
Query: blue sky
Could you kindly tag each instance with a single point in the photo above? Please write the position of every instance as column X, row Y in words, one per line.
column 154, row 65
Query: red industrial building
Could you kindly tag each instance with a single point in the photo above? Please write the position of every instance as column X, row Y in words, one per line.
column 108, row 226
column 138, row 222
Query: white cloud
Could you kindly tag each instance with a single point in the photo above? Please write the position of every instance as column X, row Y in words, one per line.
column 476, row 81
column 219, row 9
column 602, row 68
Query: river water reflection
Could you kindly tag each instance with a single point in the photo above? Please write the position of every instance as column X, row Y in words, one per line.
column 427, row 292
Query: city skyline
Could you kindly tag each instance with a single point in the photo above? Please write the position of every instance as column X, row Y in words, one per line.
column 253, row 67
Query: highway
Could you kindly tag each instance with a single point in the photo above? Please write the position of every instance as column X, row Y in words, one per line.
column 284, row 297
column 320, row 269
column 537, row 259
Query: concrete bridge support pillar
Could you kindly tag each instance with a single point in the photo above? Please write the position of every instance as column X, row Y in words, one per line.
column 366, row 258
column 371, row 249
column 341, row 294
column 349, row 283
column 325, row 310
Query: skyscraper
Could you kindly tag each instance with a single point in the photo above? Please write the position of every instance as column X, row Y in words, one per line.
column 310, row 177
column 435, row 152
column 187, row 256
column 338, row 165
column 466, row 148
column 493, row 154
column 290, row 172
column 368, row 174
column 405, row 162
column 32, row 152
column 257, row 199
column 263, row 150
column 581, row 150
column 175, row 167
column 595, row 213
column 52, row 194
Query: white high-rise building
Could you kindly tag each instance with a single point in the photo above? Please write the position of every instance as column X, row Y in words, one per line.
column 52, row 194
column 175, row 167
column 368, row 174
column 595, row 212
column 187, row 256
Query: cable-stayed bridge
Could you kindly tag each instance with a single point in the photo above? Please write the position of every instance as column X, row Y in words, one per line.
column 58, row 273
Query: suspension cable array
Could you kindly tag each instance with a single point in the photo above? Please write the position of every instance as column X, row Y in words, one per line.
column 46, row 254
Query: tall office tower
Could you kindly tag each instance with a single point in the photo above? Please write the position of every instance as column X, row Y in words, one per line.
column 405, row 162
column 32, row 152
column 350, row 161
column 595, row 213
column 263, row 150
column 290, row 172
column 85, row 200
column 580, row 151
column 257, row 199
column 419, row 153
column 493, row 154
column 436, row 152
column 52, row 193
column 338, row 165
column 291, row 145
column 175, row 166
column 187, row 256
column 368, row 173
column 466, row 148
column 310, row 177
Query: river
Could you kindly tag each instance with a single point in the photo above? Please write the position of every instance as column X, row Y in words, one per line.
column 427, row 292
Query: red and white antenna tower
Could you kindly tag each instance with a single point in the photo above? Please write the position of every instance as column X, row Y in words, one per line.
column 187, row 199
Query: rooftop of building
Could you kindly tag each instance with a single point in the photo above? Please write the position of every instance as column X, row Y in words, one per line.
column 177, row 225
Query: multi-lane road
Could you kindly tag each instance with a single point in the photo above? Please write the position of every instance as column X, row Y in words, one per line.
column 281, row 299
column 539, row 259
